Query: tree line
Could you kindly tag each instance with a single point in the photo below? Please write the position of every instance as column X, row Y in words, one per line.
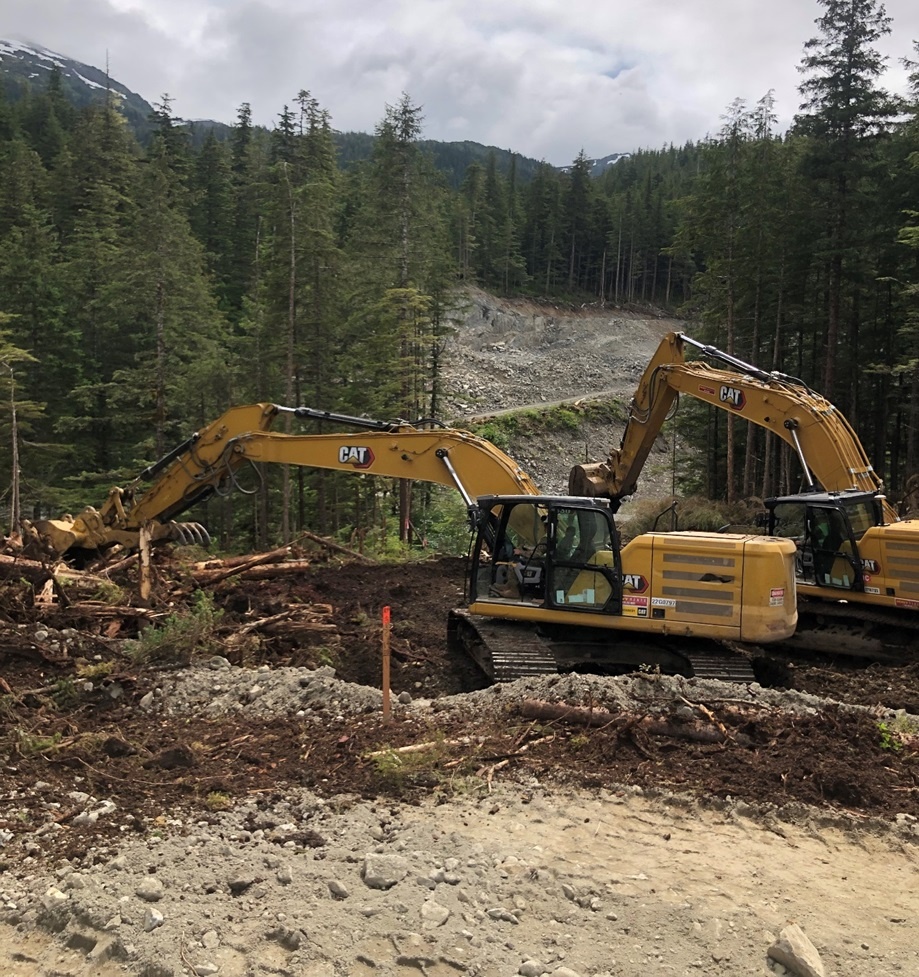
column 145, row 289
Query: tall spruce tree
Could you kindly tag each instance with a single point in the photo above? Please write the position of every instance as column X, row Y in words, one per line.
column 843, row 113
column 396, row 240
column 104, row 175
column 176, row 378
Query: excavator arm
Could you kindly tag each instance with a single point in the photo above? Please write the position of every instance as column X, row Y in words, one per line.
column 211, row 459
column 827, row 447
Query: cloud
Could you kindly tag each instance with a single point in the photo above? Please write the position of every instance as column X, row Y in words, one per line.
column 545, row 78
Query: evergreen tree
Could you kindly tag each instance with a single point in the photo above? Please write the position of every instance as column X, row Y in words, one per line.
column 211, row 213
column 397, row 241
column 171, row 139
column 176, row 375
column 578, row 211
column 249, row 175
column 105, row 173
column 17, row 417
column 843, row 114
column 466, row 219
column 542, row 235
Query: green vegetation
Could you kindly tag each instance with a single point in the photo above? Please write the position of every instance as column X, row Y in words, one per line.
column 185, row 634
column 503, row 428
column 428, row 762
column 901, row 731
column 29, row 743
column 218, row 800
column 397, row 767
column 692, row 513
column 110, row 593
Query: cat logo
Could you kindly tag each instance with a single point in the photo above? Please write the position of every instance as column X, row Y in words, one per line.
column 356, row 456
column 871, row 566
column 732, row 397
column 634, row 581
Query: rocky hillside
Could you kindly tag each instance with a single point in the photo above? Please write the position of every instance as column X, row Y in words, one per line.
column 508, row 354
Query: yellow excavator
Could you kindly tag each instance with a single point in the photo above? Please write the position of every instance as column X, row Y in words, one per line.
column 856, row 561
column 550, row 588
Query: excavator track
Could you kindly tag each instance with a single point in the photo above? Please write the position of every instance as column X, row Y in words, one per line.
column 504, row 650
column 509, row 650
column 857, row 631
column 725, row 667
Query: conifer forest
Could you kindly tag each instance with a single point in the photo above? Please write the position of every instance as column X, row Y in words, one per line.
column 147, row 286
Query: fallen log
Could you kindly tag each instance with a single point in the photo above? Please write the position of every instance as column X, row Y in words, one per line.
column 275, row 570
column 550, row 711
column 272, row 556
column 107, row 612
column 210, row 576
column 584, row 716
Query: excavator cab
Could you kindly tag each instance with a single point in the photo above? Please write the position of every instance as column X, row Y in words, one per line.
column 826, row 528
column 554, row 552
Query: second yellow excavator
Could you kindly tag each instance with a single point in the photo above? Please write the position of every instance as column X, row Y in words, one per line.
column 857, row 562
column 550, row 585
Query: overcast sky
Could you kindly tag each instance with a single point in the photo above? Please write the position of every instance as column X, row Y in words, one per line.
column 545, row 78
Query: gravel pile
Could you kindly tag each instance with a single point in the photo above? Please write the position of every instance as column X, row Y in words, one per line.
column 219, row 688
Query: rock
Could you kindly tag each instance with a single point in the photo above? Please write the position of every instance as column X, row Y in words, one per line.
column 433, row 915
column 337, row 890
column 288, row 938
column 383, row 871
column 153, row 919
column 532, row 968
column 796, row 952
column 151, row 889
column 240, row 883
column 504, row 915
column 53, row 897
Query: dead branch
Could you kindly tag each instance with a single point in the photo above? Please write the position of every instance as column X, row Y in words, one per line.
column 332, row 545
column 107, row 612
column 419, row 747
column 306, row 618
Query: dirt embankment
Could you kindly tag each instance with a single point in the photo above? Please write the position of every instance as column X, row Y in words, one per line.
column 506, row 355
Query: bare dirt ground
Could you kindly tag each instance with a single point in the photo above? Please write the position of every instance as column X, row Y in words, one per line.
column 253, row 813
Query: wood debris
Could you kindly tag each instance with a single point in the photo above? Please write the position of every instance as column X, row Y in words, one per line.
column 121, row 597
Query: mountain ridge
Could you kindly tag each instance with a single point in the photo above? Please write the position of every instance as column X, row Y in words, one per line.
column 23, row 63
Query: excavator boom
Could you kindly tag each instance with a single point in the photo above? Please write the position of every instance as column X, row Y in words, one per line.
column 830, row 453
column 210, row 461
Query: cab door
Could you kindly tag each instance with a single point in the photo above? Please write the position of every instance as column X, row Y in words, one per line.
column 827, row 550
column 583, row 570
